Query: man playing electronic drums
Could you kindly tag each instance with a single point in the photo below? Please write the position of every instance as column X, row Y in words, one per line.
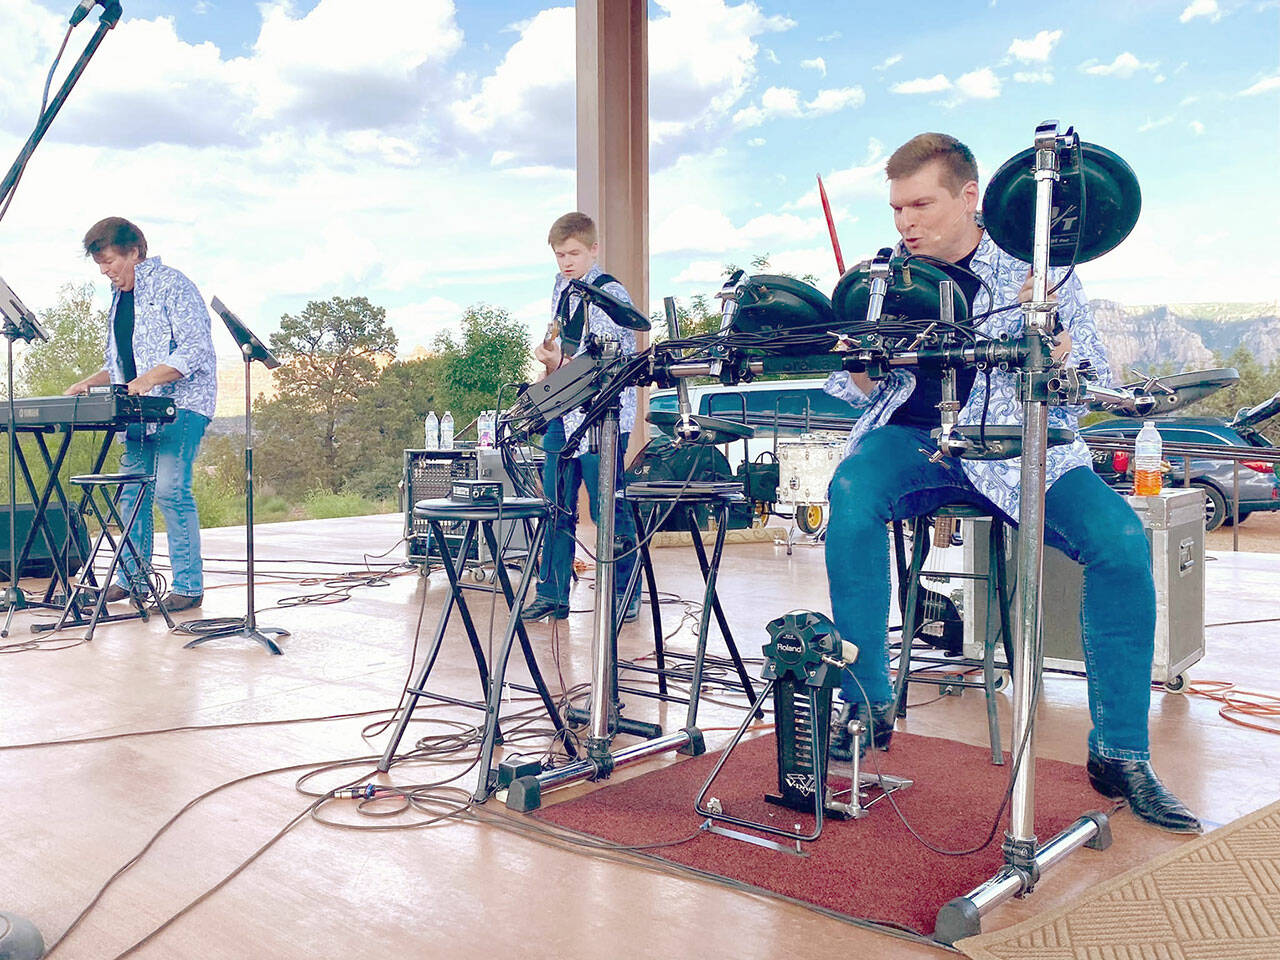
column 886, row 476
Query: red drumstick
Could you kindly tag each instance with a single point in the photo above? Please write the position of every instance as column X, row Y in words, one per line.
column 831, row 226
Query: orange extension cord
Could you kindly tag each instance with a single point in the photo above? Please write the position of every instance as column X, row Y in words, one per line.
column 1239, row 704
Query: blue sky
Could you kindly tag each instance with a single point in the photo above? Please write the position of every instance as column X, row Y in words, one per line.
column 415, row 151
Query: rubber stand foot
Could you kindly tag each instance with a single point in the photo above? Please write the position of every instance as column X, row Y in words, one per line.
column 958, row 918
column 696, row 746
column 524, row 794
column 1102, row 839
column 19, row 938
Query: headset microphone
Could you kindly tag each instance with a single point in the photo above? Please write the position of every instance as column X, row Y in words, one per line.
column 959, row 217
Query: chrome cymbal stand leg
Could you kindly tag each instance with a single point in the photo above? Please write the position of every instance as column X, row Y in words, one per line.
column 1024, row 860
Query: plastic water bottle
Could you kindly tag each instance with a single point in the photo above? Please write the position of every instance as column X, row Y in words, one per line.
column 485, row 429
column 1146, row 461
column 446, row 431
column 432, row 441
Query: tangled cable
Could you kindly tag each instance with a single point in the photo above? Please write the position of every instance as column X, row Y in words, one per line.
column 1240, row 704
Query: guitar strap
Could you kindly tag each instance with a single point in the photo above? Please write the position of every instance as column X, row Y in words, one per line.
column 571, row 327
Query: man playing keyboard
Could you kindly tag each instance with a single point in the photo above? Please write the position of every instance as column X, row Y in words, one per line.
column 159, row 343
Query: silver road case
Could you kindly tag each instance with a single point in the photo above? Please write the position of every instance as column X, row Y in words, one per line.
column 1174, row 522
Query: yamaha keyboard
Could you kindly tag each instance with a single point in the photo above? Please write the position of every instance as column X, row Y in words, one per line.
column 94, row 411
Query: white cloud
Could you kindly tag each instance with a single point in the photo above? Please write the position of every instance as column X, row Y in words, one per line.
column 981, row 84
column 785, row 102
column 1037, row 49
column 828, row 37
column 888, row 62
column 416, row 324
column 1196, row 127
column 1033, row 76
column 817, row 63
column 355, row 63
column 701, row 273
column 691, row 228
column 1265, row 85
column 836, row 99
column 757, row 142
column 702, row 62
column 935, row 84
column 338, row 68
column 1201, row 8
column 1153, row 124
column 857, row 182
column 1124, row 66
column 527, row 103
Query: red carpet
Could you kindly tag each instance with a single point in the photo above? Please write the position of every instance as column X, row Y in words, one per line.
column 871, row 869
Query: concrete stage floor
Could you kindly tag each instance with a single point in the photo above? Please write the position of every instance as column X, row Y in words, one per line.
column 74, row 814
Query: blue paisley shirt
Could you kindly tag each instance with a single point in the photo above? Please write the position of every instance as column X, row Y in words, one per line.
column 171, row 326
column 998, row 480
column 598, row 322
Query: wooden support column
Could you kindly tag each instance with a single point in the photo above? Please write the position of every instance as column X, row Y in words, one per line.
column 613, row 147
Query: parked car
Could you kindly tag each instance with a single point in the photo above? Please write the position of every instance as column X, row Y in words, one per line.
column 1259, row 482
column 794, row 406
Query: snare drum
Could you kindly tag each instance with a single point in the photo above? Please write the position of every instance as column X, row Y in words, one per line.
column 805, row 468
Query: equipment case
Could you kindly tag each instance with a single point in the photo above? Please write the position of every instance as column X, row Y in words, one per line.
column 1174, row 523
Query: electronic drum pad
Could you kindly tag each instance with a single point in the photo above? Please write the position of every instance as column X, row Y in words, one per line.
column 912, row 294
column 1095, row 204
column 789, row 316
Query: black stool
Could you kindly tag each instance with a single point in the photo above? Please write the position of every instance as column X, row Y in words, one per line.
column 142, row 581
column 481, row 517
column 682, row 500
column 916, row 608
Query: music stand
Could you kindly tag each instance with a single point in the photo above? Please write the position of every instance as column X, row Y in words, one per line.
column 251, row 348
column 16, row 323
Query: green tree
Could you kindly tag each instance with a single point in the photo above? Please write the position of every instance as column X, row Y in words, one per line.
column 74, row 350
column 493, row 351
column 702, row 316
column 1256, row 383
column 77, row 339
column 387, row 420
column 329, row 354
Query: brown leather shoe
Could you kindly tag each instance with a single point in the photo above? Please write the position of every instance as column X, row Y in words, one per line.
column 177, row 602
column 116, row 593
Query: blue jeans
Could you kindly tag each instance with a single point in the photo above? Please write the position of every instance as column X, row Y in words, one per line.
column 169, row 453
column 562, row 474
column 889, row 478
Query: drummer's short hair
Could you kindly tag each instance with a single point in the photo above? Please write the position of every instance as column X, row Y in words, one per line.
column 957, row 161
column 115, row 232
column 576, row 226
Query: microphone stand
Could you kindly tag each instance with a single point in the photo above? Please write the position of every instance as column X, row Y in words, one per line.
column 19, row 938
column 14, row 598
column 111, row 13
column 252, row 349
column 19, row 324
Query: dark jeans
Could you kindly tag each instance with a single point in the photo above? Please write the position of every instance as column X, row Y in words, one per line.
column 889, row 478
column 169, row 453
column 562, row 474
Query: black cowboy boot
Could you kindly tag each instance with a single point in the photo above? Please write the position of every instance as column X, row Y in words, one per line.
column 877, row 727
column 1137, row 783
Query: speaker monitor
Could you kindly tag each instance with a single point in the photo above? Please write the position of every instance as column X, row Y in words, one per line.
column 39, row 562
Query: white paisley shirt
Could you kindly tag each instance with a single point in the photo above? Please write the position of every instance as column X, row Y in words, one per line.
column 170, row 326
column 598, row 322
column 998, row 480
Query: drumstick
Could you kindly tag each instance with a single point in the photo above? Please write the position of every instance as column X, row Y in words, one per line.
column 831, row 226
